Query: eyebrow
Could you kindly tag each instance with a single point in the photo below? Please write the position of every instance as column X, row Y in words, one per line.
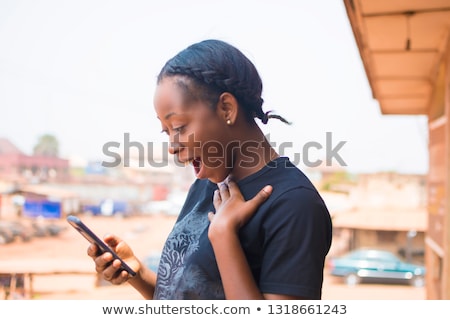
column 167, row 116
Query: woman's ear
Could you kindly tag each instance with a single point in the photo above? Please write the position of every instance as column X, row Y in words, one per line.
column 227, row 108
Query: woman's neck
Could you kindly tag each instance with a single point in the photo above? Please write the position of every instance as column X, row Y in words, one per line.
column 253, row 153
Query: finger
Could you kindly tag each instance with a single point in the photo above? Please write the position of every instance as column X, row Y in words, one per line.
column 117, row 264
column 217, row 200
column 103, row 261
column 234, row 188
column 111, row 240
column 122, row 249
column 112, row 271
column 260, row 197
column 116, row 274
column 224, row 191
column 93, row 251
column 120, row 278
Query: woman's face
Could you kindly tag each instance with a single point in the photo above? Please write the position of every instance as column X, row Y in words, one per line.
column 197, row 133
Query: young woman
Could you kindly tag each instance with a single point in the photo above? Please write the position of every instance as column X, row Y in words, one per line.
column 253, row 226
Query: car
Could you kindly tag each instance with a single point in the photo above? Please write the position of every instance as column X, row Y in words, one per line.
column 374, row 265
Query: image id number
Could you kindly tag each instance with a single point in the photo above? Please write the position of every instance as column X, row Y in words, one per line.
column 307, row 309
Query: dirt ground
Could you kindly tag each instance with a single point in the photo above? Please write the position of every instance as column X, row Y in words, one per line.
column 146, row 235
column 66, row 252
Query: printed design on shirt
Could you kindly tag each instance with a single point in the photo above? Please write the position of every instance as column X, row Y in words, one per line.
column 196, row 285
column 181, row 243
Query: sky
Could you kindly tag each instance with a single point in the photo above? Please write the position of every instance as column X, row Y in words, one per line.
column 85, row 72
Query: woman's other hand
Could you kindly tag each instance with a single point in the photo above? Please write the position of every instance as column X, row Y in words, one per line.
column 232, row 211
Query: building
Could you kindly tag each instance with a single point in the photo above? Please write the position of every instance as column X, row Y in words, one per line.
column 387, row 211
column 405, row 49
column 143, row 179
column 19, row 167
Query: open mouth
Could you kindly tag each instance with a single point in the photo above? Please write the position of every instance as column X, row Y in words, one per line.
column 197, row 165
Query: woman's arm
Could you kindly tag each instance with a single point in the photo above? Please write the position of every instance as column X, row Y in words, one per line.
column 144, row 282
column 234, row 270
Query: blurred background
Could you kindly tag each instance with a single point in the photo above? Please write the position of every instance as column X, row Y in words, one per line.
column 368, row 79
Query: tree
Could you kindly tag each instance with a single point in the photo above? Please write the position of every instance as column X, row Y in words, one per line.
column 47, row 146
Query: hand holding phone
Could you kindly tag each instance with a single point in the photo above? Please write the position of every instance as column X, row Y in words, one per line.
column 93, row 238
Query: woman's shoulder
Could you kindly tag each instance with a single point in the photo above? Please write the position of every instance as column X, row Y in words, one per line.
column 291, row 184
column 287, row 180
column 284, row 172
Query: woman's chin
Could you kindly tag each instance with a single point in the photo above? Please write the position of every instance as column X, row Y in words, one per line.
column 215, row 178
column 213, row 174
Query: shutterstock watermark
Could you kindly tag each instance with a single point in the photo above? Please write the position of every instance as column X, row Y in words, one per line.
column 214, row 153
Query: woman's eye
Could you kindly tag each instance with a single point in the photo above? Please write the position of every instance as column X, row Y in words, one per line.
column 178, row 129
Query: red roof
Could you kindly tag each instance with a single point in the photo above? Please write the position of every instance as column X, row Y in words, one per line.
column 7, row 147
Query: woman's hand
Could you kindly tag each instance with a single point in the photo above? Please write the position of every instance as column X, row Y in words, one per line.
column 109, row 268
column 232, row 211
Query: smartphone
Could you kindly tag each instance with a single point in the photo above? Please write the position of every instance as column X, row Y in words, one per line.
column 93, row 238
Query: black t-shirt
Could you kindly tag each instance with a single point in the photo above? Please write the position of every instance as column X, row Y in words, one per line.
column 285, row 241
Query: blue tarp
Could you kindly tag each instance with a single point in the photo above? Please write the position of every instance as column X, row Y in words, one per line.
column 107, row 207
column 42, row 208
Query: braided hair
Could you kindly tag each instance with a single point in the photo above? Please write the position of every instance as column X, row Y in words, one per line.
column 215, row 67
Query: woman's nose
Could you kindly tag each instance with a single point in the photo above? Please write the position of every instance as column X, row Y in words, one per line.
column 174, row 147
column 174, row 142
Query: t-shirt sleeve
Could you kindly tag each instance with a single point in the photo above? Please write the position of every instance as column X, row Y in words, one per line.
column 296, row 242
